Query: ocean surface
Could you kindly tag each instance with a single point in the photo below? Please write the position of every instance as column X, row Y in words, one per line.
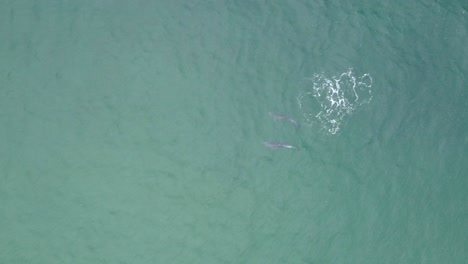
column 274, row 131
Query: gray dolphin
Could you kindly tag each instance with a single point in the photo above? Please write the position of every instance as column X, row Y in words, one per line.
column 278, row 117
column 273, row 145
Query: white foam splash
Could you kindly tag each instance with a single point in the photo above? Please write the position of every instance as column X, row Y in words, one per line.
column 330, row 100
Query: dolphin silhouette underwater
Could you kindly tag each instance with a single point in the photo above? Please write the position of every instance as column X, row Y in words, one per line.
column 273, row 145
column 279, row 117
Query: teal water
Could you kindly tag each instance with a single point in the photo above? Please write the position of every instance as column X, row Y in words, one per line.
column 132, row 131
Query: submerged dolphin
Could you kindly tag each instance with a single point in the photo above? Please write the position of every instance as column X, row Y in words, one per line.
column 278, row 117
column 278, row 145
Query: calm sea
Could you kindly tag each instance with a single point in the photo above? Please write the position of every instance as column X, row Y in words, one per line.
column 214, row 131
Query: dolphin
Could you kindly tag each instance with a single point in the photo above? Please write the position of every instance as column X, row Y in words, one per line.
column 273, row 145
column 278, row 117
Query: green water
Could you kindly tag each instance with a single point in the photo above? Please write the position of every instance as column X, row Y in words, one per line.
column 132, row 132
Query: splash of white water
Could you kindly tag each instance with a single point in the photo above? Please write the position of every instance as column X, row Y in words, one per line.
column 329, row 100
